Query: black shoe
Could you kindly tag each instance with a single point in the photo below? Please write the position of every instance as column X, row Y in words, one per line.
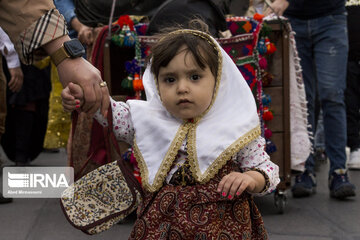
column 339, row 185
column 305, row 185
column 5, row 200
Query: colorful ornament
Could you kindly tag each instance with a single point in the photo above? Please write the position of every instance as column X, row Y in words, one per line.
column 127, row 83
column 266, row 78
column 130, row 38
column 261, row 46
column 267, row 114
column 137, row 83
column 266, row 100
column 270, row 47
column 258, row 17
column 262, row 63
column 267, row 132
column 270, row 147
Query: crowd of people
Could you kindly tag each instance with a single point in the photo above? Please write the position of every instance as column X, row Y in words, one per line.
column 191, row 86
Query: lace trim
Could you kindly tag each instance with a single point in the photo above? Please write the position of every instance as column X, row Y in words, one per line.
column 222, row 159
column 166, row 163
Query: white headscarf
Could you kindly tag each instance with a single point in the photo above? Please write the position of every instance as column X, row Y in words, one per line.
column 230, row 124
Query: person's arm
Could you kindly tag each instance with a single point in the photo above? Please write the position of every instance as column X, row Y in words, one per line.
column 257, row 160
column 278, row 7
column 85, row 33
column 259, row 175
column 13, row 62
column 122, row 123
column 47, row 31
column 67, row 8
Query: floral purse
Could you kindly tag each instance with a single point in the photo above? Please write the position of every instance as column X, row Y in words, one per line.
column 104, row 196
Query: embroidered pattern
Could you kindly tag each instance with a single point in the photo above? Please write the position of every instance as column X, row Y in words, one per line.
column 97, row 196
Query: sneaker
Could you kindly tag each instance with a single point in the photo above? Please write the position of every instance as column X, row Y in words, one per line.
column 339, row 185
column 305, row 185
column 354, row 160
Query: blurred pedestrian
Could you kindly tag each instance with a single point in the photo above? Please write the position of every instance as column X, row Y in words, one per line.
column 352, row 93
column 16, row 80
column 13, row 63
column 76, row 28
column 322, row 43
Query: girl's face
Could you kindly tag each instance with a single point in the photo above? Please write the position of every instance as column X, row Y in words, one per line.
column 185, row 89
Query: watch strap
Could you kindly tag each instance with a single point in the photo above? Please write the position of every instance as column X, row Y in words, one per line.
column 59, row 55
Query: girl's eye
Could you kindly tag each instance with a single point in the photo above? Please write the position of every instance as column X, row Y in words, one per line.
column 195, row 77
column 169, row 80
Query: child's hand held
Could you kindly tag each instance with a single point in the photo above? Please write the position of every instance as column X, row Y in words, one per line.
column 72, row 97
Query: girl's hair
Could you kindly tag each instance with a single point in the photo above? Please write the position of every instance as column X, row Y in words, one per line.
column 167, row 47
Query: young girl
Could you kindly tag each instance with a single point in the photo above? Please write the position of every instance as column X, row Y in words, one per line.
column 197, row 143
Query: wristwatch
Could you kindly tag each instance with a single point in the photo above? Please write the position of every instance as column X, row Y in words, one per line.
column 69, row 49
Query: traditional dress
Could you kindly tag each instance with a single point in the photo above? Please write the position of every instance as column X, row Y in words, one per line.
column 182, row 161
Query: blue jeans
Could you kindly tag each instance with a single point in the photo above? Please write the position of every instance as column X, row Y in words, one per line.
column 319, row 138
column 322, row 44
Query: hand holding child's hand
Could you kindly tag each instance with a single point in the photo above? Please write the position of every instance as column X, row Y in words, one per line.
column 72, row 97
column 235, row 183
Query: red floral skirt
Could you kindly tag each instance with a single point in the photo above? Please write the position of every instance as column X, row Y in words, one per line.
column 198, row 212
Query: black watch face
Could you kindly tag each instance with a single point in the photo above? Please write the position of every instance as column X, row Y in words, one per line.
column 74, row 48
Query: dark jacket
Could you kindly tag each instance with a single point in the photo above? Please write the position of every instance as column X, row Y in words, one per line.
column 308, row 9
column 354, row 32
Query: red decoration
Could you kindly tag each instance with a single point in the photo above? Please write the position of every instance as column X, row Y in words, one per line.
column 258, row 17
column 267, row 114
column 137, row 83
column 125, row 20
column 262, row 63
column 267, row 133
column 271, row 48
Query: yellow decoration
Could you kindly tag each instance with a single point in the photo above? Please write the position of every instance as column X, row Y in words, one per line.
column 59, row 123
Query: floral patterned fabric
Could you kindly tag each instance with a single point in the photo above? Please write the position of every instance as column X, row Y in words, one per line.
column 198, row 212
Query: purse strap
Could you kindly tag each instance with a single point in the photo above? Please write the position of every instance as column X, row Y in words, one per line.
column 125, row 168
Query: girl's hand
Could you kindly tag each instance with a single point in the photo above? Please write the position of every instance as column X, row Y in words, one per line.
column 72, row 97
column 235, row 183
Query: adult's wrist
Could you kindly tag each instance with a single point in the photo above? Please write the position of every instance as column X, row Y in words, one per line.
column 55, row 44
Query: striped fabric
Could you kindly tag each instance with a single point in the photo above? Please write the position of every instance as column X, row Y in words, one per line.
column 50, row 26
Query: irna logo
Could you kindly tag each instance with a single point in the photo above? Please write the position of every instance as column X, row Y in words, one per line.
column 34, row 180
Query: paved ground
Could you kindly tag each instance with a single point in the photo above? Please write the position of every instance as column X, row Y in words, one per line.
column 315, row 218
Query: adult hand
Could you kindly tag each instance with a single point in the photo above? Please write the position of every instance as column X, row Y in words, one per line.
column 17, row 79
column 279, row 7
column 85, row 33
column 81, row 72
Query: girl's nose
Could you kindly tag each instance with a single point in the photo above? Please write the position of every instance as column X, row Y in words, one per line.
column 182, row 86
